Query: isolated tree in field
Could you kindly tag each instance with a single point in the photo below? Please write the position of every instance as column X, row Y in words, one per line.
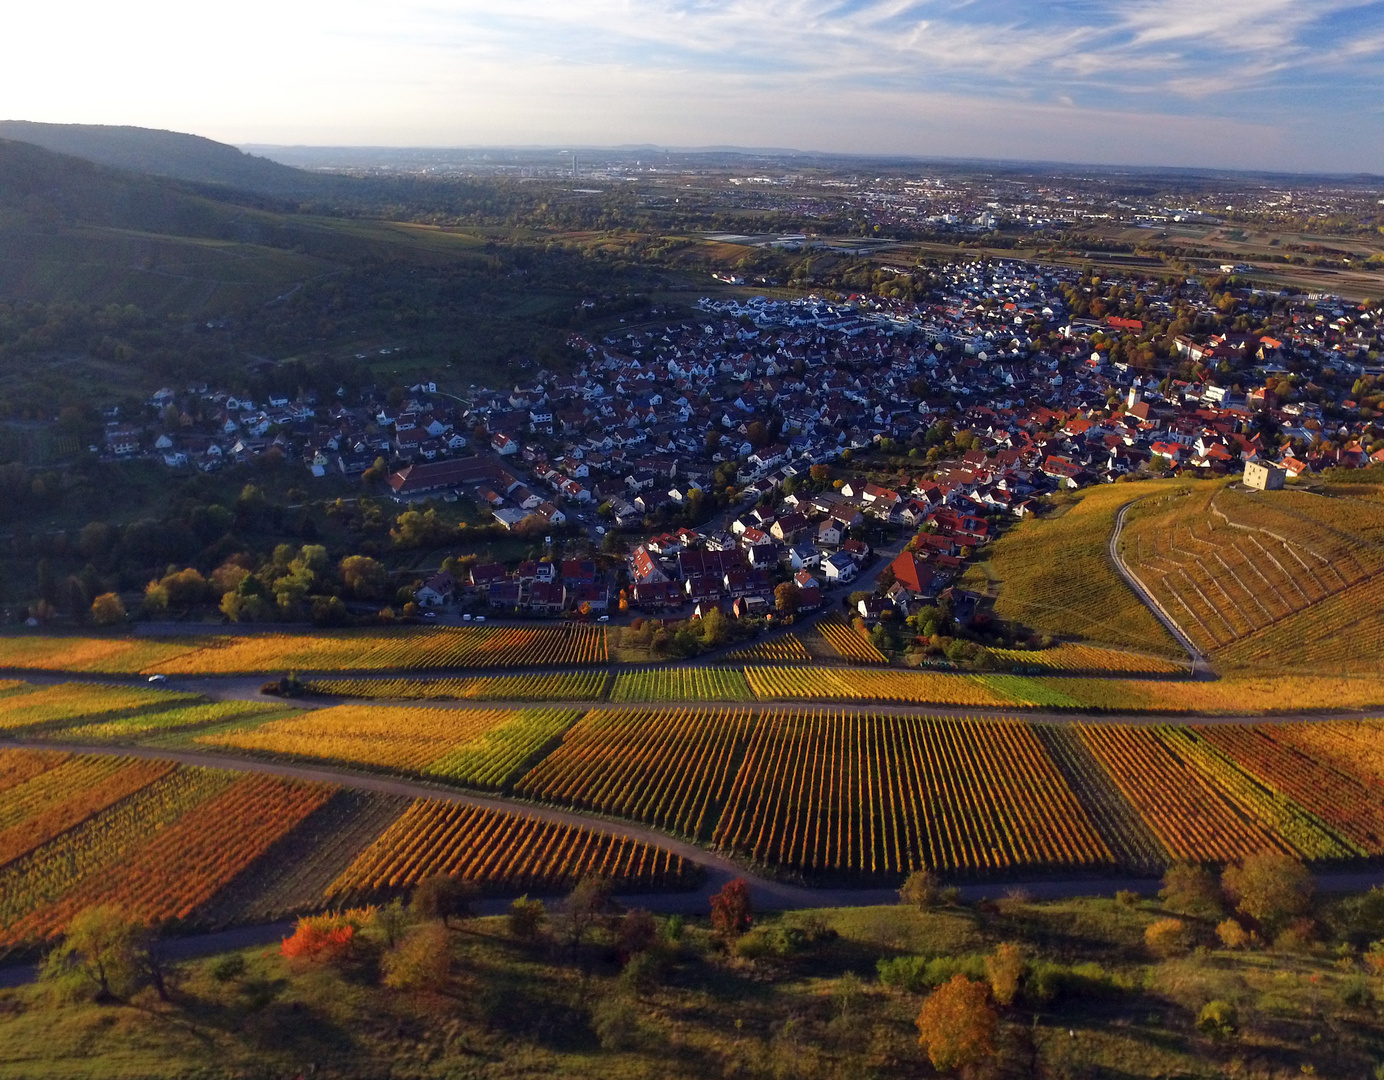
column 586, row 906
column 1191, row 889
column 103, row 952
column 442, row 897
column 1005, row 969
column 957, row 1024
column 526, row 918
column 921, row 890
column 1271, row 887
column 786, row 598
column 421, row 961
column 107, row 610
column 732, row 911
column 636, row 934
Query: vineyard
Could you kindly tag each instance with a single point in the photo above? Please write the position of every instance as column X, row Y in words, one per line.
column 402, row 649
column 557, row 686
column 844, row 684
column 502, row 852
column 1055, row 575
column 1255, row 577
column 681, row 684
column 670, row 767
column 39, row 707
column 786, row 649
column 390, row 737
column 849, row 643
column 102, row 656
column 1071, row 657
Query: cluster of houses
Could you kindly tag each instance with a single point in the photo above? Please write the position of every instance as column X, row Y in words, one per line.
column 752, row 393
column 536, row 588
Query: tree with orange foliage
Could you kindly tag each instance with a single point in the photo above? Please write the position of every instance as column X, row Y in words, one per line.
column 322, row 939
column 732, row 912
column 957, row 1024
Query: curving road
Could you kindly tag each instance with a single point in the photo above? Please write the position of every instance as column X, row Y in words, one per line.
column 1150, row 601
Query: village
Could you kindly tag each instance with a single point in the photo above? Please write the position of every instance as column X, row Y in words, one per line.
column 731, row 453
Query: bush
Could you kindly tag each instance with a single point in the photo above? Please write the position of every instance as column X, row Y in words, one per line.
column 1005, row 970
column 921, row 890
column 915, row 973
column 526, row 918
column 957, row 1024
column 1127, row 898
column 1217, row 1019
column 1297, row 936
column 1355, row 992
column 1168, row 937
column 732, row 912
column 615, row 1023
column 422, row 961
column 1232, row 934
column 1190, row 889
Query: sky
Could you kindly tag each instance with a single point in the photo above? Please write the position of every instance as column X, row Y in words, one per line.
column 1263, row 84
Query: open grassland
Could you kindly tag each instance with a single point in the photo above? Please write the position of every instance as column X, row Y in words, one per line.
column 502, row 852
column 1248, row 574
column 105, row 656
column 681, row 684
column 1055, row 575
column 554, row 686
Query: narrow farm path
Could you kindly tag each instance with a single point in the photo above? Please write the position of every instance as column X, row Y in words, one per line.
column 1140, row 590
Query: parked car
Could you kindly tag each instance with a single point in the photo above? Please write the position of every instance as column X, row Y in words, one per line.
column 158, row 678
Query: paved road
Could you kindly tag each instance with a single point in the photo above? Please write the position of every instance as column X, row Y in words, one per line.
column 1150, row 601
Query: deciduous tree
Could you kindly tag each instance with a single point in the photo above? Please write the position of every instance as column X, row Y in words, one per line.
column 732, row 910
column 1270, row 887
column 108, row 610
column 957, row 1024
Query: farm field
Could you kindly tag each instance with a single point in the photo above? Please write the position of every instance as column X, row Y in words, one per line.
column 848, row 642
column 1055, row 575
column 1230, row 564
column 501, row 852
column 30, row 708
column 104, row 656
column 210, row 846
column 785, row 649
column 681, row 684
column 557, row 686
column 404, row 649
column 1074, row 657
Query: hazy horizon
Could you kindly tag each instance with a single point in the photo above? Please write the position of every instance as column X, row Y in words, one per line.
column 1246, row 84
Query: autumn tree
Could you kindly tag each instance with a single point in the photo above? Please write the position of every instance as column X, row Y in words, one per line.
column 1005, row 968
column 442, row 897
column 1270, row 887
column 732, row 911
column 420, row 962
column 321, row 939
column 365, row 578
column 786, row 599
column 103, row 953
column 1191, row 889
column 585, row 908
column 957, row 1024
column 922, row 890
column 107, row 610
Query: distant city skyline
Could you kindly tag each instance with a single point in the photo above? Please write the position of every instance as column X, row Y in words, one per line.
column 1259, row 84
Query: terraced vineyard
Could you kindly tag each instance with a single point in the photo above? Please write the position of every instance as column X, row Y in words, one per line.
column 1248, row 574
column 1072, row 657
column 844, row 684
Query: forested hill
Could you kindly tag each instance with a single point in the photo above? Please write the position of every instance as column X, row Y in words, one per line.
column 167, row 153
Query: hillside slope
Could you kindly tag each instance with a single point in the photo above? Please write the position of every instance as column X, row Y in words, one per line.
column 166, row 153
